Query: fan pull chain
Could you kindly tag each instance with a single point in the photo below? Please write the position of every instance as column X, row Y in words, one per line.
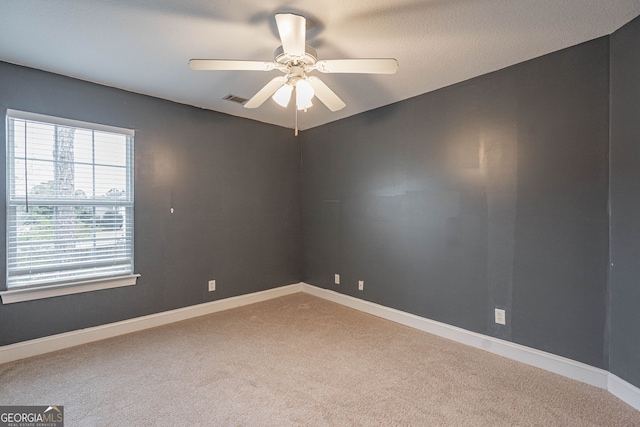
column 296, row 132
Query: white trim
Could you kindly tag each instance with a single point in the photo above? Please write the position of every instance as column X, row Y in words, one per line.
column 579, row 371
column 43, row 118
column 624, row 391
column 51, row 343
column 550, row 362
column 39, row 292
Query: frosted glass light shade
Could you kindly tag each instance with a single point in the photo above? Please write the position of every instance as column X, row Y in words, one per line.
column 283, row 95
column 304, row 94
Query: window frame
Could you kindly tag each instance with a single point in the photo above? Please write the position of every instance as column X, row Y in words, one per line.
column 69, row 286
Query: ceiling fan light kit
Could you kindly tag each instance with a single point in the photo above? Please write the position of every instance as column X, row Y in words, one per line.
column 304, row 94
column 283, row 95
column 295, row 59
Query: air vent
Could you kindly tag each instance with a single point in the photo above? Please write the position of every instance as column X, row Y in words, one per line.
column 235, row 98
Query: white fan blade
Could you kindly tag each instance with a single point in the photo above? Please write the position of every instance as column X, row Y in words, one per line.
column 326, row 95
column 292, row 29
column 363, row 66
column 264, row 93
column 224, row 65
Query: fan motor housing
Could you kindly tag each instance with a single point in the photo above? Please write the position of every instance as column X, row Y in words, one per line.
column 310, row 57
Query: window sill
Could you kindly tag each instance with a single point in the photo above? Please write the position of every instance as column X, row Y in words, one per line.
column 39, row 292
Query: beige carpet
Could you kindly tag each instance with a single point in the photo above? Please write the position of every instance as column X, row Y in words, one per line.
column 299, row 360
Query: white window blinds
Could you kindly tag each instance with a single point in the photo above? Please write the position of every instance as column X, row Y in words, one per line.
column 69, row 201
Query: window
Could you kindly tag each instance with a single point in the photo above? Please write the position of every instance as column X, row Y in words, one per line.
column 69, row 204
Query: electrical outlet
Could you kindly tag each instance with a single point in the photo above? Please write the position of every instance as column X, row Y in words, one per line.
column 336, row 279
column 212, row 285
column 501, row 317
column 361, row 285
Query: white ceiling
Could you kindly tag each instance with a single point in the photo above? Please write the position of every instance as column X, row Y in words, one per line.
column 144, row 45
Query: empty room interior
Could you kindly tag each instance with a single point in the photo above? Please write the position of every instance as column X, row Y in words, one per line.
column 321, row 213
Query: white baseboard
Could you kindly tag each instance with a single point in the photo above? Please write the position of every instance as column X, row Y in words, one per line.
column 624, row 391
column 550, row 362
column 51, row 343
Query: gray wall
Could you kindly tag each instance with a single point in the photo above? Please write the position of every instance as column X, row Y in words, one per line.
column 625, row 203
column 234, row 185
column 490, row 193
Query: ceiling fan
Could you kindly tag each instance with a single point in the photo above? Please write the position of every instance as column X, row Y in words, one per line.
column 295, row 59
